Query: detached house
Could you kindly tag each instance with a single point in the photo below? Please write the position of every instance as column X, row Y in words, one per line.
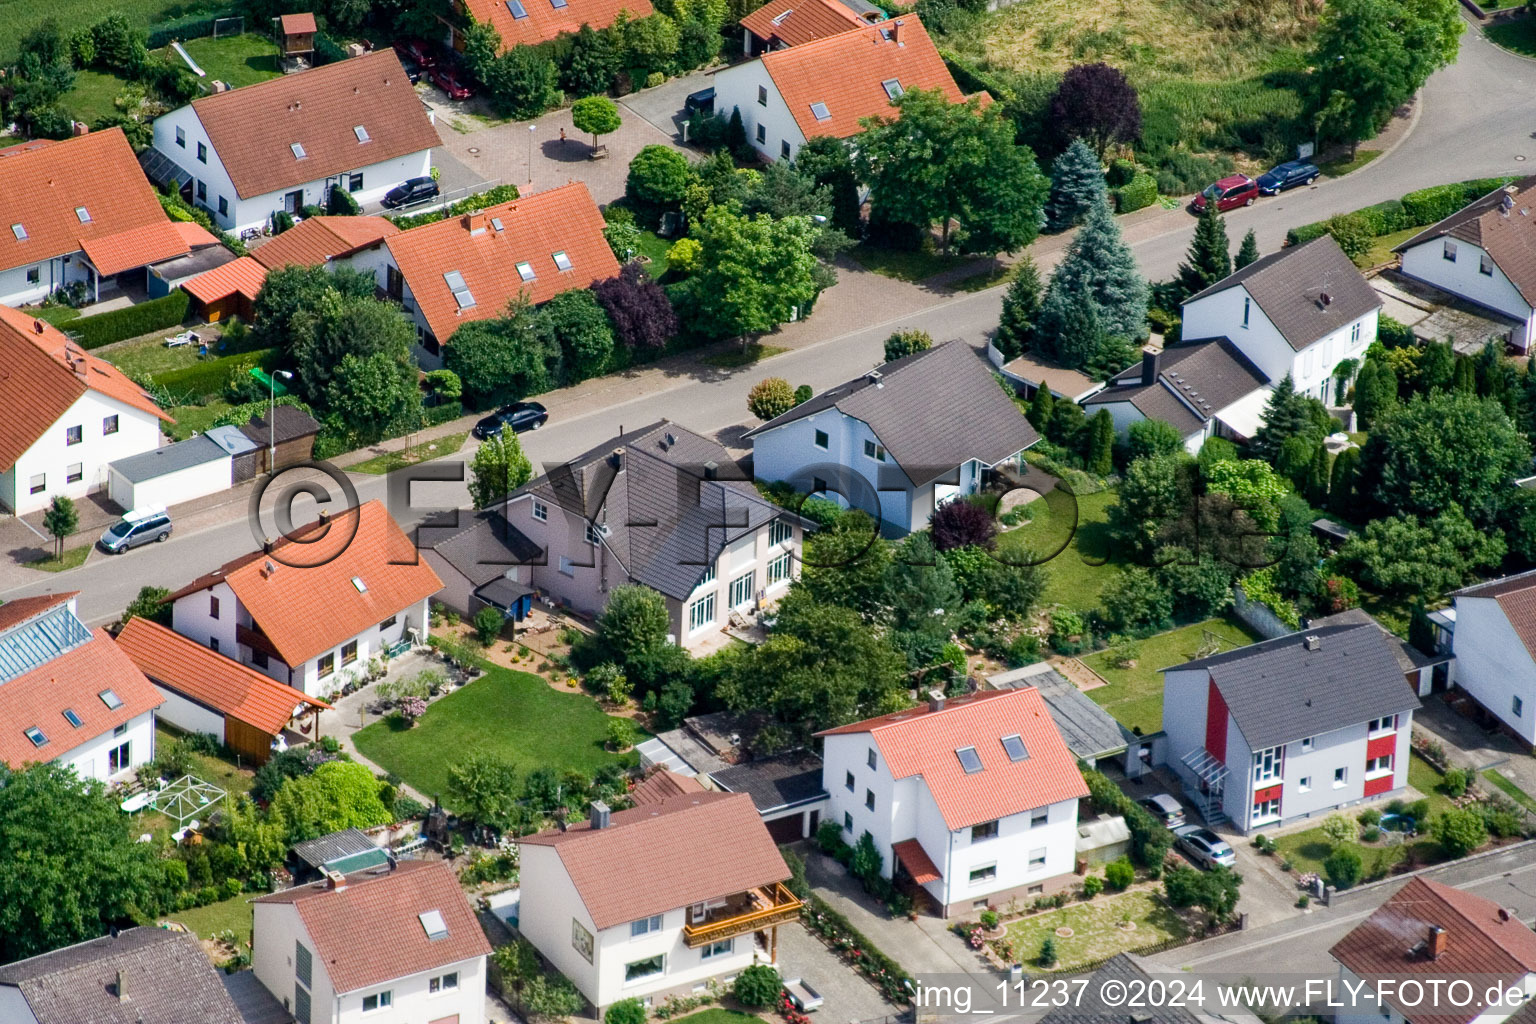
column 64, row 415
column 971, row 801
column 1203, row 388
column 530, row 22
column 283, row 144
column 899, row 441
column 468, row 268
column 68, row 694
column 80, row 211
column 311, row 609
column 788, row 95
column 780, row 24
column 1494, row 641
column 657, row 900
column 1300, row 311
column 1482, row 253
column 398, row 942
column 1428, row 932
column 1290, row 728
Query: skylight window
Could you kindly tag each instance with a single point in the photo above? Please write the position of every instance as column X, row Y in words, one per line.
column 298, row 150
column 525, row 271
column 20, row 232
column 779, row 19
column 433, row 924
column 1014, row 745
column 110, row 699
column 360, row 132
column 969, row 759
column 557, row 4
column 357, row 581
column 517, row 9
column 83, row 214
column 496, row 223
column 36, row 736
column 892, row 88
column 461, row 293
column 820, row 111
column 72, row 718
column 562, row 261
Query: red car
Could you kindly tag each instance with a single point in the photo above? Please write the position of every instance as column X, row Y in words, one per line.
column 415, row 50
column 1236, row 190
column 447, row 79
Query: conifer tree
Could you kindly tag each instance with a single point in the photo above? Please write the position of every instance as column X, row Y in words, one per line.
column 1100, row 268
column 1316, row 491
column 1248, row 252
column 1021, row 311
column 1341, row 487
column 1285, row 416
column 1040, row 408
column 1210, row 254
column 1101, row 443
column 1077, row 182
column 1070, row 318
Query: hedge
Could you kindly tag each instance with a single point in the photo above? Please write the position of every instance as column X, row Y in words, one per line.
column 478, row 201
column 209, row 376
column 1149, row 839
column 972, row 79
column 1139, row 193
column 191, row 26
column 154, row 315
column 1417, row 209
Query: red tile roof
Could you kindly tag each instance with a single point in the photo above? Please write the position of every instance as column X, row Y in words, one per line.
column 793, row 22
column 19, row 610
column 1516, row 598
column 135, row 247
column 211, row 679
column 319, row 239
column 72, row 680
column 662, row 785
column 253, row 128
column 545, row 21
column 308, row 603
column 298, row 24
column 534, row 228
column 370, row 930
column 923, row 742
column 39, row 385
column 194, row 235
column 243, row 276
column 864, row 59
column 917, row 862
column 40, row 189
column 664, row 855
column 1479, row 938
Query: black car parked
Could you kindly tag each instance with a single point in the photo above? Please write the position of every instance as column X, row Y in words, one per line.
column 1287, row 175
column 414, row 190
column 701, row 102
column 519, row 416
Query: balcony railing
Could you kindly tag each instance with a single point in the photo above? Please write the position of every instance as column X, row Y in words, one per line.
column 764, row 907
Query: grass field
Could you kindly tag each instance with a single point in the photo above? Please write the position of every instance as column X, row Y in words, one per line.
column 912, row 265
column 1381, row 246
column 226, row 915
column 239, row 60
column 18, row 17
column 1077, row 566
column 715, row 1015
column 92, row 95
column 224, row 774
column 55, row 315
column 73, row 559
column 1518, row 35
column 424, row 452
column 194, row 419
column 1508, row 788
column 1097, row 930
column 1135, row 695
column 1341, row 167
column 656, row 248
column 510, row 714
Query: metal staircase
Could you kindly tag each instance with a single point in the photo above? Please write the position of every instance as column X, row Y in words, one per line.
column 1207, row 796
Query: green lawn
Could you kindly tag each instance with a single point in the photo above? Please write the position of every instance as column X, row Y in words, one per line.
column 18, row 17
column 1096, row 929
column 227, row 775
column 1509, row 789
column 656, row 247
column 194, row 419
column 92, row 95
column 735, row 357
column 1077, row 566
column 715, row 1015
column 238, row 60
column 424, row 452
column 906, row 264
column 150, row 354
column 1423, row 777
column 510, row 714
column 1381, row 246
column 55, row 315
column 73, row 559
column 227, row 915
column 1518, row 35
column 1339, row 168
column 1135, row 695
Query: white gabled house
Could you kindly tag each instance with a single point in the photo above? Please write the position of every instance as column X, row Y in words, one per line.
column 970, row 801
column 1494, row 641
column 1202, row 388
column 397, row 943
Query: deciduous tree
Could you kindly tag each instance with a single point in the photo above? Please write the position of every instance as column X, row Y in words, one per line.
column 1151, row 438
column 961, row 523
column 376, row 395
column 770, row 397
column 500, row 360
column 60, row 519
column 498, row 468
column 641, row 314
column 905, row 343
column 574, row 324
column 1407, row 557
column 1094, row 102
column 827, row 162
column 756, row 271
column 597, row 115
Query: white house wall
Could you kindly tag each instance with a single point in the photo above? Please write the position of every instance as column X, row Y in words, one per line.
column 17, row 290
column 1312, row 368
column 1493, row 665
column 412, row 1002
column 190, row 616
column 1463, row 276
column 90, row 760
column 175, row 487
column 189, row 715
column 737, row 87
column 51, row 455
column 1009, row 851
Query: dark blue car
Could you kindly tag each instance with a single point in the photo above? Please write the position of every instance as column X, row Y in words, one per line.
column 1287, row 175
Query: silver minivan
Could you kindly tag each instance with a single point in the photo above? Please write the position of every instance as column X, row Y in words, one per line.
column 135, row 528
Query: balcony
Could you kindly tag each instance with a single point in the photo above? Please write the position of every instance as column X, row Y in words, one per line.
column 744, row 912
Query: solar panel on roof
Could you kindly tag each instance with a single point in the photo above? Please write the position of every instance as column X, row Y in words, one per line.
column 969, row 759
column 517, row 9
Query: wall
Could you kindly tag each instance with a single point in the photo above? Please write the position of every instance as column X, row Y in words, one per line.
column 1010, row 852
column 1222, row 314
column 748, row 554
column 50, row 455
column 412, row 1002
column 190, row 616
column 1312, row 368
column 185, row 713
column 275, row 931
column 173, row 488
column 684, row 967
column 1462, row 277
column 90, row 759
column 737, row 87
column 549, row 903
column 1493, row 665
column 1184, row 705
column 16, row 290
column 894, row 818
column 370, row 642
column 378, row 178
column 789, row 453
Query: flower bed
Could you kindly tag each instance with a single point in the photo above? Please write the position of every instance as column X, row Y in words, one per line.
column 845, row 940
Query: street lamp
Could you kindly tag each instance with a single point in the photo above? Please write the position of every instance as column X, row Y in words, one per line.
column 531, row 129
column 272, row 415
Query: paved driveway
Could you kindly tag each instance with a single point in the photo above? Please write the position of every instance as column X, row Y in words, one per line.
column 848, row 996
column 1469, row 746
column 663, row 105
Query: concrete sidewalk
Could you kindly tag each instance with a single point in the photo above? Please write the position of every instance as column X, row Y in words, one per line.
column 1469, row 746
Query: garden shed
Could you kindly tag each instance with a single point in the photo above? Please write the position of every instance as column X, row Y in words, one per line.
column 170, row 474
column 292, row 431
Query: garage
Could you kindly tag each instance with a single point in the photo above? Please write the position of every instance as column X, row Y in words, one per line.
column 170, row 475
column 785, row 789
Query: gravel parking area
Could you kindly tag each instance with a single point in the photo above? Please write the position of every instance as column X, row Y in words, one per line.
column 848, row 996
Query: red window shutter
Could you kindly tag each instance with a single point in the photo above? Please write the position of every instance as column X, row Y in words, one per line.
column 1215, row 723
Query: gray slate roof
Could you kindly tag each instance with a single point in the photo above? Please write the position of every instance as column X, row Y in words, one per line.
column 482, row 545
column 194, row 451
column 328, row 848
column 1409, row 657
column 784, row 780
column 1288, row 284
column 1088, row 730
column 931, row 410
column 1507, row 235
column 1278, row 691
column 167, row 979
column 256, row 1004
column 1206, row 375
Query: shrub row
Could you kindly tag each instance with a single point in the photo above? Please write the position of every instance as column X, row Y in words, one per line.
column 478, row 201
column 209, row 376
column 1136, row 194
column 178, row 208
column 154, row 315
column 1150, row 841
column 190, row 26
column 1414, row 210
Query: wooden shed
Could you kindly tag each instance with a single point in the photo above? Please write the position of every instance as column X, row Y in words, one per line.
column 292, row 432
column 226, row 291
column 206, row 692
column 298, row 32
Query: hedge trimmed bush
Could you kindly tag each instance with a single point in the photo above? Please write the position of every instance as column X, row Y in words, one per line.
column 209, row 376
column 478, row 201
column 1415, row 210
column 1121, row 172
column 1136, row 194
column 1150, row 841
column 154, row 315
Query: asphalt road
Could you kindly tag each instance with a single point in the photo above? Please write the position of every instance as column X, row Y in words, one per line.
column 1477, row 119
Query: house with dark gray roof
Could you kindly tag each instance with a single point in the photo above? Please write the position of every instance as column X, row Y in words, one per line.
column 1203, row 388
column 660, row 506
column 1127, row 972
column 786, row 789
column 1290, row 728
column 137, row 976
column 899, row 441
column 1300, row 311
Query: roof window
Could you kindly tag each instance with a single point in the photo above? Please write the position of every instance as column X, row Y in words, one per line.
column 20, row 232
column 357, row 581
column 496, row 223
column 562, row 261
column 433, row 924
column 519, row 12
column 557, row 4
column 360, row 132
column 36, row 736
column 969, row 759
column 820, row 111
column 892, row 88
column 110, row 699
column 83, row 214
column 72, row 718
column 1015, row 748
column 298, row 150
column 779, row 19
column 461, row 293
column 525, row 271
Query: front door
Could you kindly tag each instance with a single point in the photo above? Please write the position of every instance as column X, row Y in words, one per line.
column 293, row 202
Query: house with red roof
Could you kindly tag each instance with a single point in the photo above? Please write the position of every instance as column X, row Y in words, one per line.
column 68, row 694
column 530, row 22
column 1492, row 631
column 787, row 96
column 311, row 608
column 396, row 942
column 780, row 24
column 971, row 801
column 66, row 415
column 81, row 211
column 1428, row 932
column 657, row 900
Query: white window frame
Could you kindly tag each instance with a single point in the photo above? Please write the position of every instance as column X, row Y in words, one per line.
column 1485, row 265
column 641, row 979
column 1266, row 812
column 780, row 532
column 781, row 569
column 1340, row 778
column 724, row 947
column 1040, row 816
column 993, row 830
column 1379, row 767
column 743, row 589
column 439, row 985
column 1448, row 250
column 1381, row 726
column 381, row 1000
column 1037, row 858
column 1304, row 785
column 984, row 873
column 1268, row 765
column 709, row 577
column 645, row 926
column 540, row 511
column 1307, row 743
column 873, row 450
column 701, row 613
column 1354, row 333
column 821, row 439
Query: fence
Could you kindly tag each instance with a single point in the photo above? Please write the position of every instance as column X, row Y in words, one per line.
column 1258, row 617
column 190, row 26
column 1342, row 896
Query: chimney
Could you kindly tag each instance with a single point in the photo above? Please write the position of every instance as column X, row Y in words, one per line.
column 1313, row 642
column 335, row 880
column 1150, row 359
column 935, row 700
column 1439, row 942
column 711, row 470
column 600, row 814
column 122, row 986
column 475, row 222
column 896, row 31
column 1504, row 914
column 325, row 517
column 617, row 459
column 1325, row 299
